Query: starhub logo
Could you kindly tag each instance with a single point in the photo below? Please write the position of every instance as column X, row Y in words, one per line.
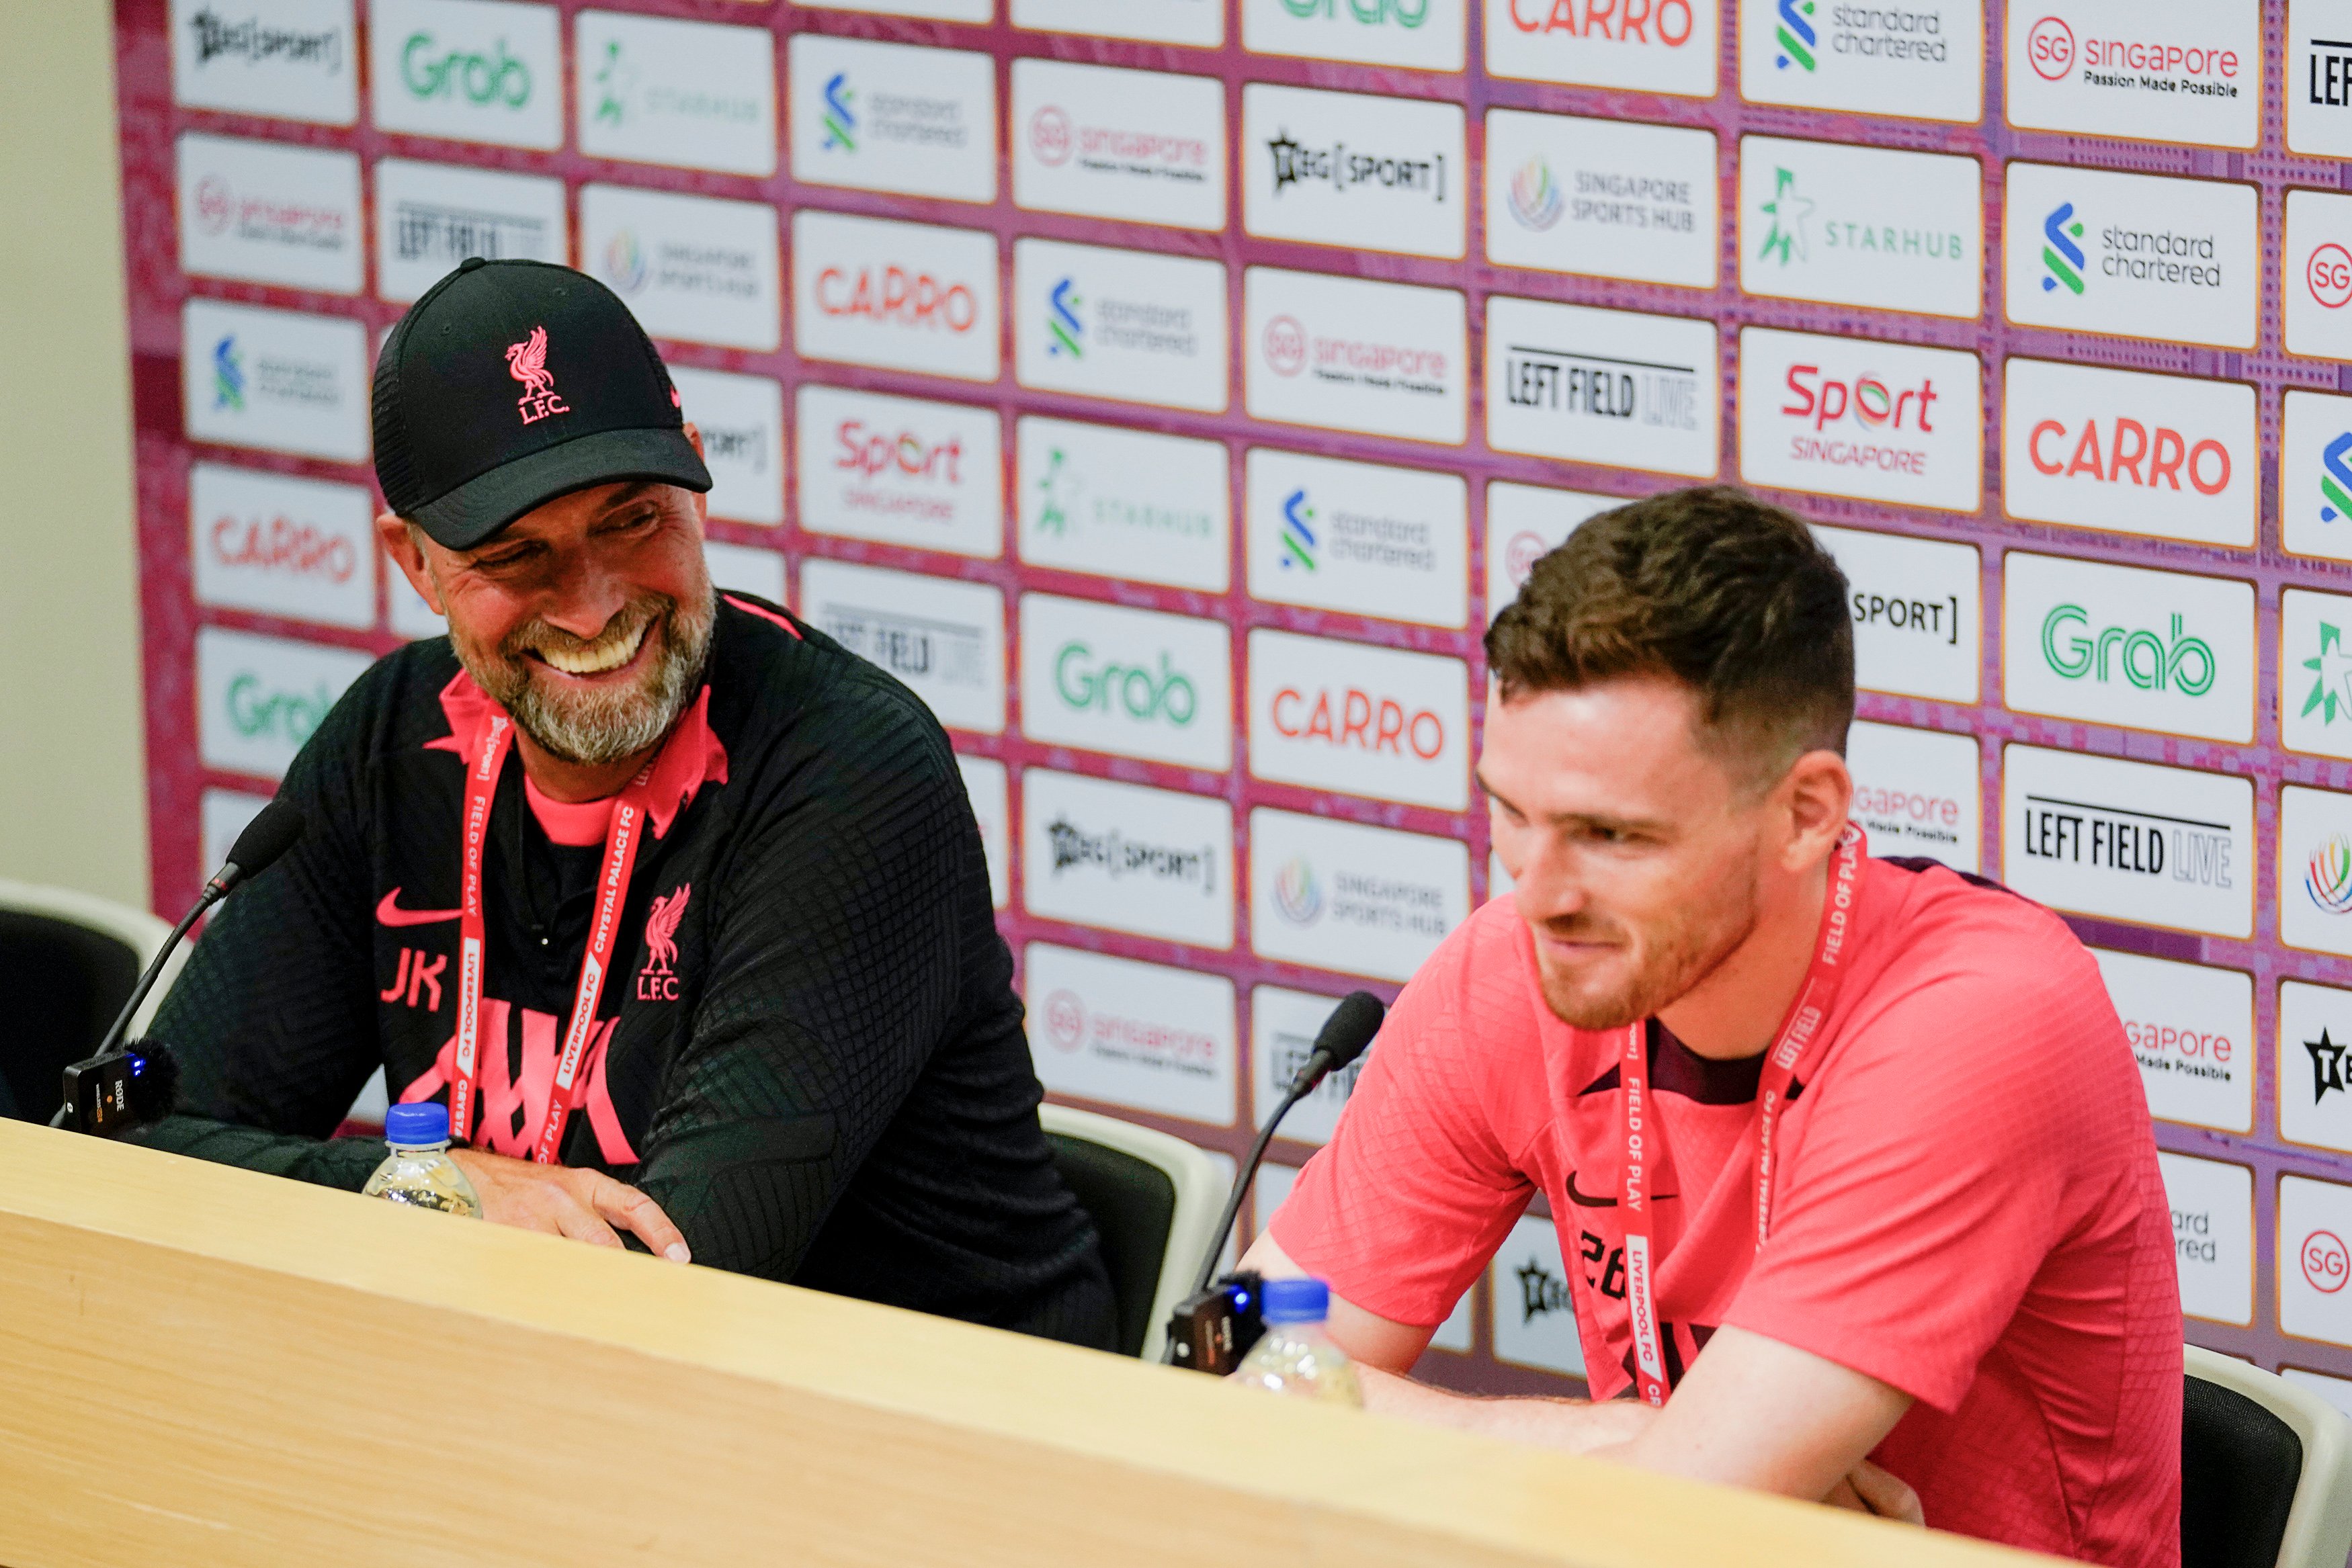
column 2060, row 252
column 1796, row 35
column 1788, row 209
column 1297, row 532
column 1535, row 196
column 1065, row 331
column 2335, row 479
column 2331, row 678
column 839, row 119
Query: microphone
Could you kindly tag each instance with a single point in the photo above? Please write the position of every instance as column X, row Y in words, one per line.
column 114, row 1088
column 1204, row 1332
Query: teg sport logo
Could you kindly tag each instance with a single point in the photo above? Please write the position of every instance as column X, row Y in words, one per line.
column 253, row 42
column 2150, row 663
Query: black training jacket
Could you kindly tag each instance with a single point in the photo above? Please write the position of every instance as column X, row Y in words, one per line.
column 810, row 1054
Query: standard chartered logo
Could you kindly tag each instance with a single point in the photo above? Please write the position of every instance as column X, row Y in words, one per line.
column 2060, row 252
column 2144, row 660
column 1372, row 13
column 258, row 712
column 1136, row 690
column 429, row 71
column 1796, row 35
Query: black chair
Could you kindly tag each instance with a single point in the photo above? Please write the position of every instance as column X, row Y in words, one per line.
column 1154, row 1199
column 68, row 963
column 2265, row 1470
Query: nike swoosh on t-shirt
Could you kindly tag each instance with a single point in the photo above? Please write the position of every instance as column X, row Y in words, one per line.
column 389, row 913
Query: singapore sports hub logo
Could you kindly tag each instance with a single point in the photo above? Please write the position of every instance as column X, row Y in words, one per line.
column 839, row 120
column 2328, row 875
column 2060, row 253
column 1298, row 896
column 1535, row 196
column 1064, row 328
column 1797, row 40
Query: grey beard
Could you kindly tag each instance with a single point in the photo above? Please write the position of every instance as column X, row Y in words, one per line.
column 603, row 728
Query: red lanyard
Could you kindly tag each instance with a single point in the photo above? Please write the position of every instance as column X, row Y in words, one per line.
column 1799, row 1032
column 491, row 748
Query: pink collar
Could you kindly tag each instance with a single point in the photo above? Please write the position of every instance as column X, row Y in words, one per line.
column 576, row 824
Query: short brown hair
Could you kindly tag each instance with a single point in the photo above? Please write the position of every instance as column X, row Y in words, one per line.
column 1712, row 588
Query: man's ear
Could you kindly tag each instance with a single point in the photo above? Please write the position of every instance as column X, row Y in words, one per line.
column 401, row 547
column 1819, row 793
column 702, row 499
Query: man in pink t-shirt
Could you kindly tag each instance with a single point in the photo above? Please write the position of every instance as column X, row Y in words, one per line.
column 1957, row 1298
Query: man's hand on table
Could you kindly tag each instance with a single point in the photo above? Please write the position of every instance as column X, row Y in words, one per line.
column 587, row 1206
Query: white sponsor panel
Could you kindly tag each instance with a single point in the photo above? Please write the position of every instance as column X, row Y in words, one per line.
column 259, row 698
column 2172, row 457
column 1130, row 683
column 2315, row 275
column 1348, row 353
column 2315, row 477
column 1845, row 416
column 1113, row 502
column 1918, row 613
column 2161, row 70
column 2315, row 870
column 2337, row 1391
column 1201, row 23
column 1649, row 45
column 267, row 212
column 410, row 616
column 2315, row 1094
column 2314, row 1259
column 2319, row 77
column 1128, row 325
column 1126, row 857
column 1143, row 146
column 275, row 378
column 2213, row 1236
column 938, row 10
column 745, row 568
column 1918, row 792
column 2125, row 646
column 292, row 60
column 1535, row 1307
column 944, row 637
column 2191, row 1028
column 893, row 116
column 905, row 297
column 1618, row 387
column 2130, row 840
column 2314, row 672
column 299, row 547
column 1362, row 538
column 1377, row 722
column 431, row 216
column 1349, row 169
column 225, row 814
column 1283, row 1026
column 696, row 268
column 741, row 421
column 984, row 781
column 1919, row 62
column 1862, row 225
column 2137, row 255
column 1340, row 896
column 1524, row 523
column 1428, row 34
column 697, row 95
column 1128, row 1033
column 471, row 71
column 901, row 470
column 1610, row 198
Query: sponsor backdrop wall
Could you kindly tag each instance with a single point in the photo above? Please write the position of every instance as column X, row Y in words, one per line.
column 1169, row 390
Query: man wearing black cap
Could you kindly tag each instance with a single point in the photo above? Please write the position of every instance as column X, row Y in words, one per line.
column 718, row 929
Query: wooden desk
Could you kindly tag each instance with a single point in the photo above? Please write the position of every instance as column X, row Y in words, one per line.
column 200, row 1365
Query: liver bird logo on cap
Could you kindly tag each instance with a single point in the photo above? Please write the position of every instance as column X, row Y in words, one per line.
column 526, row 362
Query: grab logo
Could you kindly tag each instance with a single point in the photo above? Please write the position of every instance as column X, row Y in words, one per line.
column 2049, row 48
column 1365, row 720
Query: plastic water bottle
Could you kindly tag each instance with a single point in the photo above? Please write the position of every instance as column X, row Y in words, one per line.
column 1294, row 1356
column 419, row 1171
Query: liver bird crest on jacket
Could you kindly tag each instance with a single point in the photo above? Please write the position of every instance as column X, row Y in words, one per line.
column 661, row 929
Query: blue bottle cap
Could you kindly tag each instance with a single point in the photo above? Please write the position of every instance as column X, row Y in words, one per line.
column 1296, row 1300
column 414, row 1126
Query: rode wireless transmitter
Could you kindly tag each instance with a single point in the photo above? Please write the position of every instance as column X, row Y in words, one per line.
column 1212, row 1328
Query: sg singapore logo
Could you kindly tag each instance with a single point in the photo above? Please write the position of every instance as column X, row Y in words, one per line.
column 1132, row 689
column 1372, row 13
column 2186, row 665
column 427, row 71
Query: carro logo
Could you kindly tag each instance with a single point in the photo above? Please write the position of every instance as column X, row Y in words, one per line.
column 2060, row 253
column 1297, row 532
column 1297, row 894
column 907, row 299
column 1359, row 719
column 2327, row 875
column 1285, row 345
column 1619, row 21
column 868, row 452
column 1063, row 327
column 1796, row 35
column 1049, row 135
column 281, row 544
column 2185, row 664
column 1066, row 1020
column 2168, row 455
column 1136, row 690
column 839, row 119
column 2325, row 1262
column 2328, row 275
column 2049, row 48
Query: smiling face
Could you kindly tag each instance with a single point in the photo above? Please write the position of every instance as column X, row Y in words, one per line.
column 1640, row 860
column 587, row 618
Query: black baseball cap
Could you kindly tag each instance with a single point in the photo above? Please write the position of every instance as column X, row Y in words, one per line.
column 510, row 384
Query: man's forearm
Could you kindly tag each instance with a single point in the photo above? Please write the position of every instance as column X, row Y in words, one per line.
column 346, row 1163
column 1574, row 1426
